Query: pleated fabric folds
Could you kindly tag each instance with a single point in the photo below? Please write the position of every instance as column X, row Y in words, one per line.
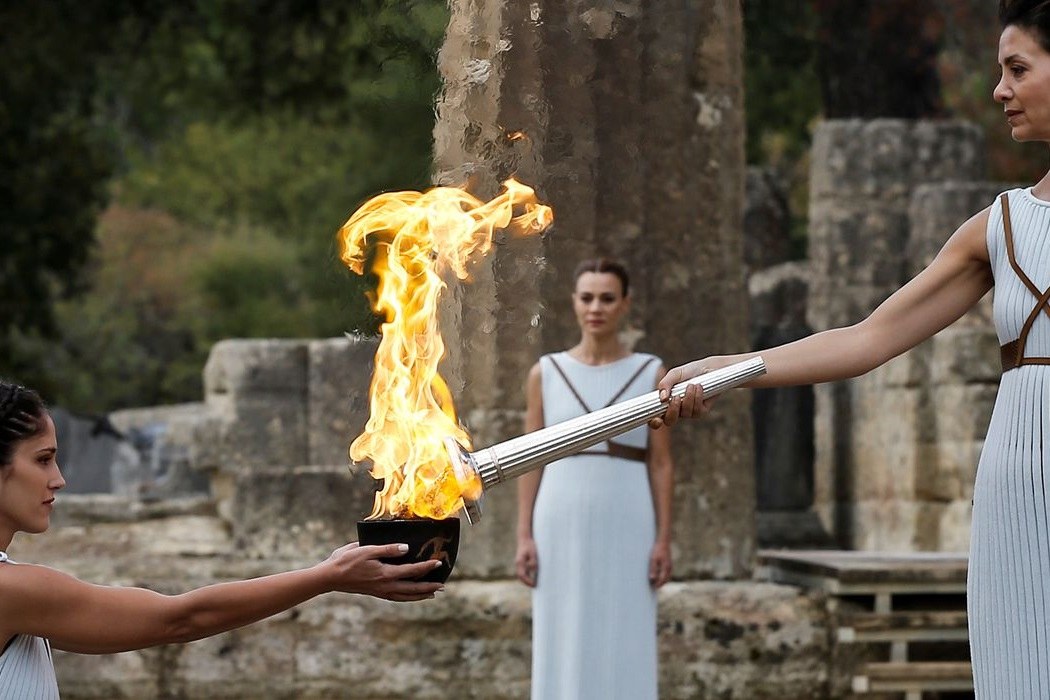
column 1008, row 588
column 594, row 612
column 26, row 669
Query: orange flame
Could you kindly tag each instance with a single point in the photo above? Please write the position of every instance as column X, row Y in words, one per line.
column 416, row 237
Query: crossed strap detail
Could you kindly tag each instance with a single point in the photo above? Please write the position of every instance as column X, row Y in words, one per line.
column 614, row 449
column 1012, row 353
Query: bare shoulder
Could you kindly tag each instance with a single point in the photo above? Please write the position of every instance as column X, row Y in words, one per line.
column 26, row 588
column 971, row 239
column 535, row 378
column 33, row 582
column 534, row 384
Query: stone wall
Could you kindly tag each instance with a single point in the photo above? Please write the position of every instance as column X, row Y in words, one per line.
column 632, row 118
column 896, row 449
column 720, row 640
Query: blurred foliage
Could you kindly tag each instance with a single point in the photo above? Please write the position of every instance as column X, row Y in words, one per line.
column 807, row 60
column 233, row 138
column 878, row 58
column 781, row 91
column 53, row 159
column 782, row 99
column 174, row 173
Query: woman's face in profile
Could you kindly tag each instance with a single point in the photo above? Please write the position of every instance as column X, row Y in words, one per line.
column 29, row 483
column 1024, row 88
column 599, row 303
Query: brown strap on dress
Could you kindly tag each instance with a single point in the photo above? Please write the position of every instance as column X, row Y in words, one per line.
column 618, row 449
column 615, row 449
column 629, row 382
column 621, row 392
column 1012, row 354
column 1009, row 231
column 565, row 378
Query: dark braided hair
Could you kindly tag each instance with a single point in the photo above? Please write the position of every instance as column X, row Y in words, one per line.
column 1032, row 15
column 22, row 413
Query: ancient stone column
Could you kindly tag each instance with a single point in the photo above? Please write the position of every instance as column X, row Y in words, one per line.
column 884, row 196
column 632, row 121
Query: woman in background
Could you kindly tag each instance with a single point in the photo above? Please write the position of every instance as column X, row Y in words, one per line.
column 594, row 529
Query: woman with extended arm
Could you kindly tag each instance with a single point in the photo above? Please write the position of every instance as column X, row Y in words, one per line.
column 1006, row 245
column 41, row 607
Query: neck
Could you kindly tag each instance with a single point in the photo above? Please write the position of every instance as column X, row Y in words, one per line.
column 599, row 351
column 1041, row 189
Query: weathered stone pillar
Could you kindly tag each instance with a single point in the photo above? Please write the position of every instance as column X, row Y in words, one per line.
column 873, row 226
column 633, row 121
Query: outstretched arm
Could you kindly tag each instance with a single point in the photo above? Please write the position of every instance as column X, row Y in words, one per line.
column 952, row 284
column 90, row 619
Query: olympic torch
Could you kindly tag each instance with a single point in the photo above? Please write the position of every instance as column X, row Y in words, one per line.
column 512, row 458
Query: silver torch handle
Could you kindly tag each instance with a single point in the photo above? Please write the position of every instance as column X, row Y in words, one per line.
column 512, row 458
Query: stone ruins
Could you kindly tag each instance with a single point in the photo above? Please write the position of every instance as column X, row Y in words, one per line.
column 632, row 119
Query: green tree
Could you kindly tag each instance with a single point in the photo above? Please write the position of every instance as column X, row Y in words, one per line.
column 781, row 90
column 53, row 159
column 241, row 133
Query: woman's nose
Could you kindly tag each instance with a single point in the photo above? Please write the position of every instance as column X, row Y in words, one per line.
column 1001, row 93
column 59, row 482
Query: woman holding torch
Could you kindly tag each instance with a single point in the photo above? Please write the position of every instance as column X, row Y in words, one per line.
column 1006, row 246
column 42, row 607
column 594, row 529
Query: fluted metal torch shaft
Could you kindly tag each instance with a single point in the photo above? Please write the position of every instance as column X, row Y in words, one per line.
column 512, row 458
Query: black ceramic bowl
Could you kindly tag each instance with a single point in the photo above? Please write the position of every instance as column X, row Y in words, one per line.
column 426, row 539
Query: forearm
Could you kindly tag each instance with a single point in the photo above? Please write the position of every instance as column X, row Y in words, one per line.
column 92, row 619
column 528, row 488
column 225, row 606
column 661, row 479
column 832, row 355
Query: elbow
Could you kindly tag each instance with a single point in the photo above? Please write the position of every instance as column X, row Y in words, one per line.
column 874, row 347
column 181, row 622
column 182, row 634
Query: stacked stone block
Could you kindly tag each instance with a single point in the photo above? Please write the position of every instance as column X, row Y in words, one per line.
column 896, row 449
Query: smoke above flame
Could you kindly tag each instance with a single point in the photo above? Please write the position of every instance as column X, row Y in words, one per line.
column 411, row 239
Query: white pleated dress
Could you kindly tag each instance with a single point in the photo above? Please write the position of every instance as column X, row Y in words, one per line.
column 594, row 612
column 26, row 671
column 1008, row 589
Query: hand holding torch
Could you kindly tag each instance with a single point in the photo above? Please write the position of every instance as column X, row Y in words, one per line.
column 512, row 458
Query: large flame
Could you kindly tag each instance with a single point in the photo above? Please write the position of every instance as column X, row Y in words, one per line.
column 413, row 237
